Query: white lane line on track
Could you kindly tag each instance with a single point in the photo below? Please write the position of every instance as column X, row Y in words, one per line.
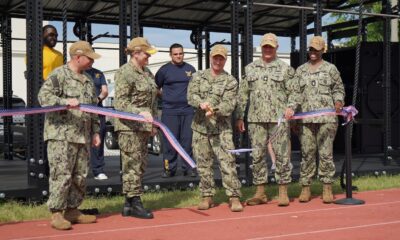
column 206, row 221
column 325, row 230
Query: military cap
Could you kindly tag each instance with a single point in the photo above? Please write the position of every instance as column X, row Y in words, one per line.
column 269, row 39
column 219, row 50
column 83, row 48
column 141, row 44
column 317, row 42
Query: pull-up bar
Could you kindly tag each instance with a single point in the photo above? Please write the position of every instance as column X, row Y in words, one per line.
column 327, row 10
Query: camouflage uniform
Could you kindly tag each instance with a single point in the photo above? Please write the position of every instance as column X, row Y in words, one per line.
column 320, row 90
column 270, row 89
column 68, row 134
column 212, row 137
column 135, row 92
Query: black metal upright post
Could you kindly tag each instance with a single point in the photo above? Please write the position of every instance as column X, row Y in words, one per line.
column 89, row 36
column 199, row 37
column 318, row 18
column 208, row 46
column 235, row 38
column 35, row 123
column 303, row 34
column 387, row 140
column 235, row 57
column 123, row 16
column 247, row 58
column 248, row 33
column 7, row 84
column 64, row 30
column 349, row 200
column 135, row 25
column 292, row 43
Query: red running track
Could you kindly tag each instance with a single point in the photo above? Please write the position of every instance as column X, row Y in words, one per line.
column 378, row 219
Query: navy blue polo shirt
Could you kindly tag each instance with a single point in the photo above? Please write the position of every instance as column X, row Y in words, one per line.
column 98, row 79
column 174, row 81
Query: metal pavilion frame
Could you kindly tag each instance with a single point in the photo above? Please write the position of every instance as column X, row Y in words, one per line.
column 36, row 161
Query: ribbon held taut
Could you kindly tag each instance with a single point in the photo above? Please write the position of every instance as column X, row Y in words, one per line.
column 348, row 113
column 106, row 112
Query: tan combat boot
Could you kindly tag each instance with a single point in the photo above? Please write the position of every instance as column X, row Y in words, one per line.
column 235, row 205
column 205, row 203
column 75, row 216
column 58, row 221
column 283, row 199
column 305, row 195
column 259, row 197
column 327, row 195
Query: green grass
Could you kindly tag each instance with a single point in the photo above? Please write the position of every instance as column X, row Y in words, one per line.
column 13, row 211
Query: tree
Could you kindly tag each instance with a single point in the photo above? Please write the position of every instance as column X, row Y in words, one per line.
column 374, row 30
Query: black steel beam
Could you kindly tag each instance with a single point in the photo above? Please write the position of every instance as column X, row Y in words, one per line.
column 387, row 141
column 135, row 29
column 248, row 33
column 64, row 31
column 35, row 123
column 208, row 46
column 7, row 85
column 343, row 34
column 235, row 38
column 15, row 6
column 199, row 35
column 318, row 18
column 123, row 32
column 303, row 34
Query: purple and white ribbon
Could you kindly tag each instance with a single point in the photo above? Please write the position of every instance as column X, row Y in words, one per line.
column 348, row 113
column 106, row 112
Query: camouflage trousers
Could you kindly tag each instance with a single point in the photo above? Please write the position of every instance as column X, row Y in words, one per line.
column 134, row 161
column 259, row 133
column 205, row 149
column 69, row 164
column 317, row 137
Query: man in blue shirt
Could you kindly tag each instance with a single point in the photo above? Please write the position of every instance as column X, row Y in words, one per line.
column 173, row 79
column 97, row 154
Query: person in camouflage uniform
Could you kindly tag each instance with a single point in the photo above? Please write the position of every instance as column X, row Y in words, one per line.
column 135, row 92
column 321, row 88
column 212, row 93
column 271, row 88
column 69, row 134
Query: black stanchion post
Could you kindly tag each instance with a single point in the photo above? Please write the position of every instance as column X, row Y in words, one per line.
column 349, row 200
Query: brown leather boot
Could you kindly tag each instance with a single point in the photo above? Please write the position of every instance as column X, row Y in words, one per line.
column 75, row 216
column 205, row 203
column 58, row 221
column 327, row 195
column 305, row 195
column 235, row 205
column 259, row 197
column 283, row 199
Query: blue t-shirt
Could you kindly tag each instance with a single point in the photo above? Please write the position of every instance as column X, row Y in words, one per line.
column 174, row 81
